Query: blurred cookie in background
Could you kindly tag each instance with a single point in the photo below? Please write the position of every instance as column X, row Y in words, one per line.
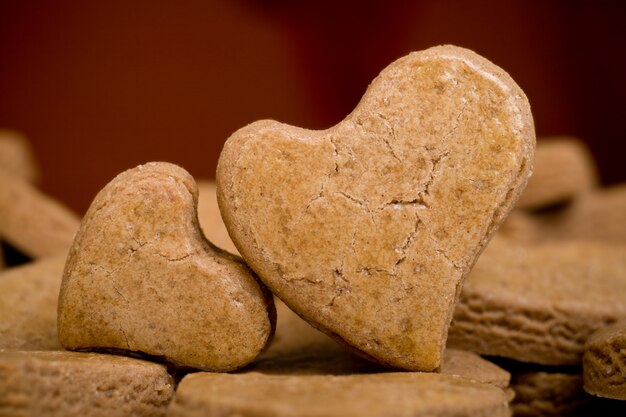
column 28, row 305
column 210, row 218
column 563, row 169
column 17, row 156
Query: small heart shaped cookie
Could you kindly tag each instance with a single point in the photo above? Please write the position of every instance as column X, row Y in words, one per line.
column 142, row 277
column 367, row 229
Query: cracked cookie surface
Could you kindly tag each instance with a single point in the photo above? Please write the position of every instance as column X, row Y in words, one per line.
column 368, row 228
column 141, row 277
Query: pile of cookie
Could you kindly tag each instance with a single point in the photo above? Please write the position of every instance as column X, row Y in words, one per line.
column 350, row 271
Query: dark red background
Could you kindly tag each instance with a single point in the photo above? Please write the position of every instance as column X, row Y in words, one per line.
column 101, row 86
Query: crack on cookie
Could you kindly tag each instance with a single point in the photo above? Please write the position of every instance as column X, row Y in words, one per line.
column 173, row 259
column 130, row 228
column 154, row 242
column 156, row 293
column 392, row 132
column 397, row 203
column 339, row 293
column 123, row 332
column 117, row 290
column 455, row 122
column 368, row 270
column 320, row 196
column 335, row 170
column 305, row 279
column 363, row 204
column 341, row 283
column 94, row 267
column 353, row 242
column 119, row 325
column 448, row 259
column 436, row 166
column 405, row 246
column 355, row 200
column 443, row 253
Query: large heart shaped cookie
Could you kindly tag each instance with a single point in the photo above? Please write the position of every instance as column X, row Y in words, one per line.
column 142, row 277
column 367, row 229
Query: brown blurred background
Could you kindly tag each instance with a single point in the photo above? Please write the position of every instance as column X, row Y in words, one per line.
column 102, row 86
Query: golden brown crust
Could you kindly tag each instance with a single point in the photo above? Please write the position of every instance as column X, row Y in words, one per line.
column 142, row 277
column 367, row 229
column 398, row 394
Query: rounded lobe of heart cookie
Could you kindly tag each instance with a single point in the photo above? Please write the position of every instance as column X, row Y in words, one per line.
column 142, row 277
column 367, row 229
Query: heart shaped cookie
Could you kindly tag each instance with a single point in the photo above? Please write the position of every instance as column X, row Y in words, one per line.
column 142, row 277
column 368, row 228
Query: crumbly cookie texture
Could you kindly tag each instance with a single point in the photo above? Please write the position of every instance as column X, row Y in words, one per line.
column 28, row 305
column 141, row 277
column 540, row 303
column 604, row 362
column 73, row 384
column 367, row 229
column 563, row 170
column 550, row 393
column 398, row 394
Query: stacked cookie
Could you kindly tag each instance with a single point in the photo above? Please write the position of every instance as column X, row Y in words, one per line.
column 38, row 377
column 364, row 233
column 552, row 278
